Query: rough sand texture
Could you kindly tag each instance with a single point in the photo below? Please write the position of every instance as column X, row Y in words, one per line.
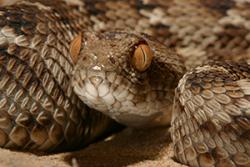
column 133, row 148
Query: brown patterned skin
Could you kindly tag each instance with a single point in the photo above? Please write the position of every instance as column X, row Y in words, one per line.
column 210, row 120
column 38, row 108
column 210, row 124
column 198, row 29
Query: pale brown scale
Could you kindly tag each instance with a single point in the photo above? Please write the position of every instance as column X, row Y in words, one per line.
column 207, row 94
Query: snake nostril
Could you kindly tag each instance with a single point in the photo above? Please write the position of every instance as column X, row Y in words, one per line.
column 96, row 80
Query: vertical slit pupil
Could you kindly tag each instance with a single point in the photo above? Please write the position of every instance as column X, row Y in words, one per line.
column 144, row 55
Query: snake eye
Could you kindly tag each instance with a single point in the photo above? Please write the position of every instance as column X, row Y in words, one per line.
column 142, row 57
column 75, row 47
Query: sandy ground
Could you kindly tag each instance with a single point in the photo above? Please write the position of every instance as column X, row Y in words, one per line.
column 133, row 148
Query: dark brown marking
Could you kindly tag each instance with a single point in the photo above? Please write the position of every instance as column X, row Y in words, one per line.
column 221, row 6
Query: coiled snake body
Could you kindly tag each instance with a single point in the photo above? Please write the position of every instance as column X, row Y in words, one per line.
column 63, row 65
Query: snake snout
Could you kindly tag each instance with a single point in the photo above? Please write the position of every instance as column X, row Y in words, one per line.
column 96, row 80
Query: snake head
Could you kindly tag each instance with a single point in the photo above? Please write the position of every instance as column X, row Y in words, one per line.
column 128, row 76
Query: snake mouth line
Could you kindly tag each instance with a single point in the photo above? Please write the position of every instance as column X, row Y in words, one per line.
column 113, row 95
column 104, row 92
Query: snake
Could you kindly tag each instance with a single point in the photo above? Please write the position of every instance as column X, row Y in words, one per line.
column 72, row 70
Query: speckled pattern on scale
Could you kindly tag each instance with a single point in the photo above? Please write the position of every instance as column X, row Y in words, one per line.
column 43, row 92
column 39, row 110
column 210, row 125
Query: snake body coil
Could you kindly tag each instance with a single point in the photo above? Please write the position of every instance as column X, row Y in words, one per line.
column 38, row 108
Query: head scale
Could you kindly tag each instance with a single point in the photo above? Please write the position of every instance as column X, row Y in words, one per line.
column 127, row 76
